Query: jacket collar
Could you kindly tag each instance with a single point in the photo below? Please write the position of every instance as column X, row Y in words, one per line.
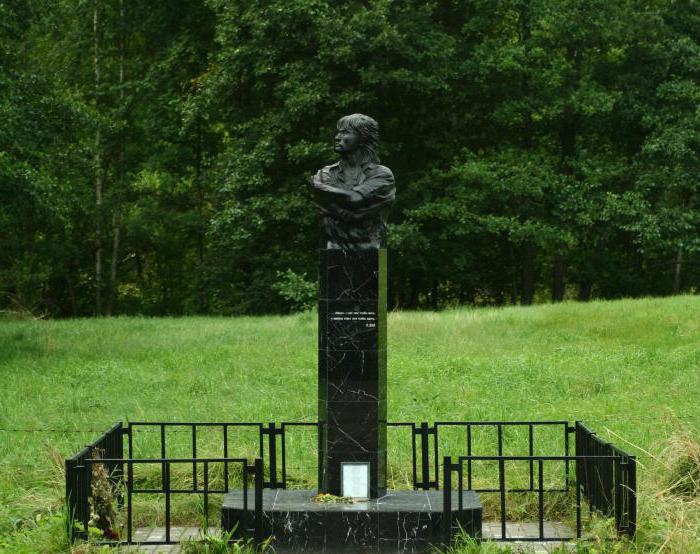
column 366, row 167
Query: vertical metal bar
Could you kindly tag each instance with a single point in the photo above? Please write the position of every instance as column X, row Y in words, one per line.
column 81, row 496
column 502, row 488
column 206, row 496
column 129, row 489
column 566, row 453
column 540, row 496
column 500, row 439
column 259, row 484
column 531, row 452
column 284, row 456
column 86, row 474
column 435, row 455
column 415, row 470
column 632, row 500
column 578, row 452
column 272, row 446
column 70, row 498
column 460, row 477
column 262, row 441
column 167, row 501
column 119, row 475
column 469, row 456
column 226, row 487
column 79, row 493
column 194, row 456
column 578, row 500
column 424, row 455
column 594, row 477
column 320, row 455
column 447, row 501
column 618, row 467
column 246, row 469
column 131, row 441
column 162, row 455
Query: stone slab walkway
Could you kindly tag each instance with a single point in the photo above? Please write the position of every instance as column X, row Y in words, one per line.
column 491, row 531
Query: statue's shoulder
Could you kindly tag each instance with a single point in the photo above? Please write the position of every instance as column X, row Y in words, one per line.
column 378, row 171
column 330, row 168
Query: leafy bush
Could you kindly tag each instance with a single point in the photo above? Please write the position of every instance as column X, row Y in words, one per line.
column 296, row 289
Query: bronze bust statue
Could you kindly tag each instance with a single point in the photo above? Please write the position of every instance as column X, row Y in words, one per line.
column 353, row 194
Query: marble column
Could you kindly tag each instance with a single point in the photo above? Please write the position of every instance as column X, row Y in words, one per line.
column 352, row 365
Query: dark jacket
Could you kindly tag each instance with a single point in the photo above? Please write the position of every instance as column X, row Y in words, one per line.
column 359, row 223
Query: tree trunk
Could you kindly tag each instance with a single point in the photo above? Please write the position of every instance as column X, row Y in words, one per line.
column 527, row 254
column 415, row 293
column 98, row 164
column 71, row 290
column 116, row 221
column 527, row 287
column 434, row 296
column 677, row 271
column 116, row 230
column 558, row 277
column 569, row 124
column 584, row 291
column 514, row 281
column 525, row 35
column 201, row 301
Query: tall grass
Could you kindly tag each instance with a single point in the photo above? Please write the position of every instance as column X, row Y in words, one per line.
column 629, row 368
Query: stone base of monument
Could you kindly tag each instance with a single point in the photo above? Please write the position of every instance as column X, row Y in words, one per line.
column 401, row 521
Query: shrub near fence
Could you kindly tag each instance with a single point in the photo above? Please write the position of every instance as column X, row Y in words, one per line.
column 78, row 477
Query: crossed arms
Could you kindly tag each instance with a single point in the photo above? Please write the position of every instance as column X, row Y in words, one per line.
column 363, row 201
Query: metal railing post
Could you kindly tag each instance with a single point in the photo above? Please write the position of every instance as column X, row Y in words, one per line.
column 447, row 501
column 425, row 457
column 502, row 488
column 194, row 457
column 83, row 474
column 272, row 448
column 632, row 500
column 71, row 503
column 414, row 457
column 129, row 500
column 320, row 456
column 206, row 496
column 166, row 486
column 259, row 484
column 540, row 496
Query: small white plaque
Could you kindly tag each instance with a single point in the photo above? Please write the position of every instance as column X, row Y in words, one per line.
column 354, row 479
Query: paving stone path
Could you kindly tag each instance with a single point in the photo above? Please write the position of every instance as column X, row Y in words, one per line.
column 491, row 530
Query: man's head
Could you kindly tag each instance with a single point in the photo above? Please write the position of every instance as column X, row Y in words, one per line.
column 358, row 132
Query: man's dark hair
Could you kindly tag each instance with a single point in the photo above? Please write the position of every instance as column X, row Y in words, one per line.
column 368, row 130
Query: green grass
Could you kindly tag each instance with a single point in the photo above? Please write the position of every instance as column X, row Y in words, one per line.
column 630, row 368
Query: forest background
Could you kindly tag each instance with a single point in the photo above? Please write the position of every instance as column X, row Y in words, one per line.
column 155, row 155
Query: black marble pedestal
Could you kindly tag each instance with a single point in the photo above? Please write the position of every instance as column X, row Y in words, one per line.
column 352, row 365
column 400, row 521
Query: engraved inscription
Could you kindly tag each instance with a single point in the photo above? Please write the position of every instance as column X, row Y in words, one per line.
column 368, row 318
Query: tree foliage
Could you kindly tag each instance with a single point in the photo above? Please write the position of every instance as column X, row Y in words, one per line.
column 542, row 149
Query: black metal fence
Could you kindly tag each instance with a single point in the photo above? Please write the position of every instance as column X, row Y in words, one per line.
column 109, row 445
column 108, row 451
column 608, row 478
column 426, row 448
column 271, row 443
column 604, row 475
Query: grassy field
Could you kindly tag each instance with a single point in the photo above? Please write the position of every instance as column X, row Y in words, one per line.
column 631, row 369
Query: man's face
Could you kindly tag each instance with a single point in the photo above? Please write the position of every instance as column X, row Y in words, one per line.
column 346, row 140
